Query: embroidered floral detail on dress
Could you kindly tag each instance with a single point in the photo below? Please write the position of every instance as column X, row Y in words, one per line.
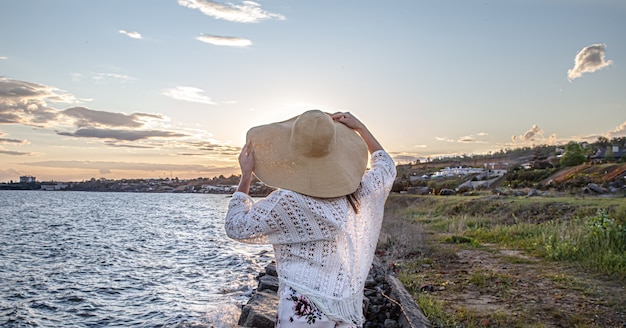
column 303, row 308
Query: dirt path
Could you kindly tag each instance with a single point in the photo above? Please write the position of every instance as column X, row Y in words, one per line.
column 490, row 287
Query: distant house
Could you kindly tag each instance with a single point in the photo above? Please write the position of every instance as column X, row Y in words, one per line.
column 457, row 171
column 28, row 179
column 614, row 152
column 497, row 166
column 53, row 186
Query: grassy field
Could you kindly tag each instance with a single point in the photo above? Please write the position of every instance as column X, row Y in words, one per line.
column 491, row 261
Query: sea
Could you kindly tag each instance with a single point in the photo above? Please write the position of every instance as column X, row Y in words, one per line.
column 99, row 259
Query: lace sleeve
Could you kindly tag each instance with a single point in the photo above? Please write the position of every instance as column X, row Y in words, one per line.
column 245, row 223
column 382, row 173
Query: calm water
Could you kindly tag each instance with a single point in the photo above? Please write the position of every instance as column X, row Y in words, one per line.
column 85, row 259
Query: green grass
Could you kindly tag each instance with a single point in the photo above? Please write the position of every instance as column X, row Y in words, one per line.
column 597, row 243
column 581, row 232
column 586, row 231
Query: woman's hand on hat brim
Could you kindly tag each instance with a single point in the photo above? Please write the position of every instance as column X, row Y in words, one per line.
column 348, row 120
column 246, row 159
column 352, row 122
column 246, row 163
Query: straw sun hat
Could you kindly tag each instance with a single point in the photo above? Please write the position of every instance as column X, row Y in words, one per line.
column 310, row 154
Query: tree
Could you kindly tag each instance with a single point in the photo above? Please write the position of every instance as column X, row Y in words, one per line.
column 574, row 154
column 603, row 142
column 609, row 156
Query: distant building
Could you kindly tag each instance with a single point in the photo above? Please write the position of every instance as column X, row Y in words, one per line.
column 457, row 171
column 497, row 166
column 27, row 179
column 614, row 152
column 53, row 186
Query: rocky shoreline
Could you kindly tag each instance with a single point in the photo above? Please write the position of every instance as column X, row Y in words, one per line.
column 387, row 304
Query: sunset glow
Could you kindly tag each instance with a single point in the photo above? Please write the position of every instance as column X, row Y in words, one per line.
column 146, row 89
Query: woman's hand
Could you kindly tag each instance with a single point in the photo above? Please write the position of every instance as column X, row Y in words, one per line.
column 246, row 163
column 246, row 159
column 348, row 120
column 352, row 122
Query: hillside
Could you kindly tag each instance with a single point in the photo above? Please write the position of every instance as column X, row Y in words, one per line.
column 611, row 176
column 601, row 173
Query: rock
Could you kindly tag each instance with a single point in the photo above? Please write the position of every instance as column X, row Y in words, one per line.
column 447, row 192
column 260, row 311
column 532, row 192
column 270, row 269
column 596, row 188
column 418, row 190
column 389, row 323
column 412, row 315
column 268, row 282
column 386, row 302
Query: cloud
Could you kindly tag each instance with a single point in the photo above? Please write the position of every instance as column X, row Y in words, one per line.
column 134, row 35
column 228, row 41
column 12, row 141
column 118, row 144
column 76, row 77
column 112, row 76
column 215, row 147
column 104, row 165
column 126, row 135
column 403, row 158
column 470, row 139
column 3, row 57
column 88, row 117
column 444, row 139
column 16, row 153
column 588, row 60
column 552, row 140
column 190, row 94
column 532, row 135
column 247, row 12
column 619, row 131
column 27, row 103
column 465, row 139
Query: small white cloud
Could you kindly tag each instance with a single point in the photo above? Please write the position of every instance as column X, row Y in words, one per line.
column 247, row 12
column 553, row 139
column 531, row 135
column 112, row 76
column 588, row 60
column 224, row 40
column 134, row 35
column 444, row 139
column 76, row 77
column 3, row 57
column 190, row 94
column 464, row 139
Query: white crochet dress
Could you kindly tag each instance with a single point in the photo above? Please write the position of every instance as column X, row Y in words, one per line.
column 323, row 249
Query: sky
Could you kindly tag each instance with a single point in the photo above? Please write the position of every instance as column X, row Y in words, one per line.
column 161, row 89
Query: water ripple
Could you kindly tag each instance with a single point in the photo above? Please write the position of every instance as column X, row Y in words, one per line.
column 81, row 259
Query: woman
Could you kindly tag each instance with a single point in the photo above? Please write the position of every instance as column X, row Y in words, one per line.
column 323, row 220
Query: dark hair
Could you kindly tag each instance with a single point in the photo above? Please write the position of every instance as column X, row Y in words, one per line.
column 354, row 202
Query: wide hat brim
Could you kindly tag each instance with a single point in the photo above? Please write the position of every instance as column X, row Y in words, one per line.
column 278, row 164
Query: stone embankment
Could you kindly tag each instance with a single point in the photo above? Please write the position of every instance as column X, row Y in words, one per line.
column 387, row 304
